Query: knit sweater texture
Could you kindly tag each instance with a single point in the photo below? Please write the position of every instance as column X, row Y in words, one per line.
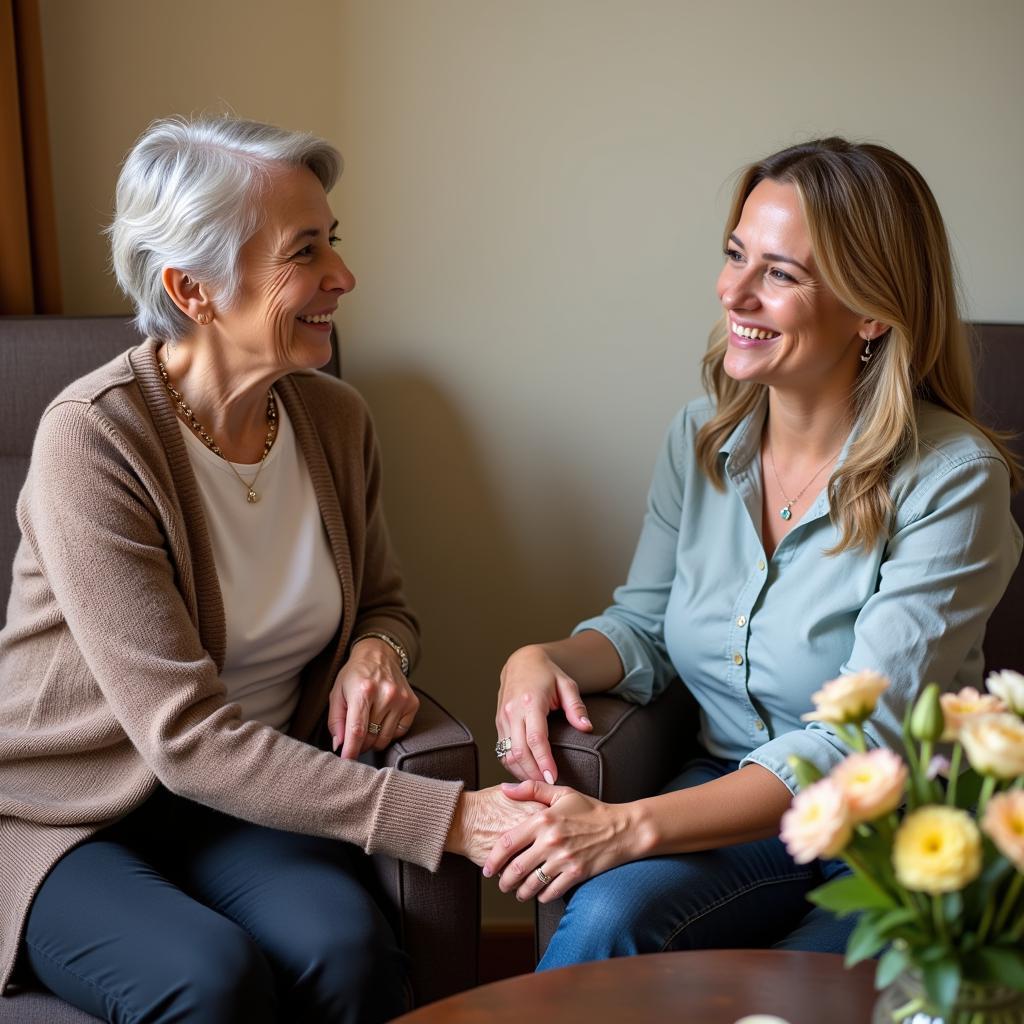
column 115, row 637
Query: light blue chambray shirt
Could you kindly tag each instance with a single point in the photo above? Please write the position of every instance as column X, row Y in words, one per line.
column 753, row 637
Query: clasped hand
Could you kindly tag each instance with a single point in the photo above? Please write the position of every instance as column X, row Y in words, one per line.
column 370, row 688
column 571, row 839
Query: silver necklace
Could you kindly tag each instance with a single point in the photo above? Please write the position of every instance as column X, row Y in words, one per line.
column 786, row 512
column 185, row 411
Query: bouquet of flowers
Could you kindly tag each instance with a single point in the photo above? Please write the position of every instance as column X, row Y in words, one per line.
column 936, row 847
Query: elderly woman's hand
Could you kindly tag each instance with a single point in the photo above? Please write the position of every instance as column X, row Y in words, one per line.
column 481, row 817
column 572, row 839
column 371, row 701
column 532, row 686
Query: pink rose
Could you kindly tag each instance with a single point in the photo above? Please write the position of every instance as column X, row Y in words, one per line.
column 817, row 823
column 847, row 699
column 872, row 783
column 1004, row 823
column 957, row 708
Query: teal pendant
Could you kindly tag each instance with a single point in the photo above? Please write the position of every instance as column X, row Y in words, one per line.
column 785, row 513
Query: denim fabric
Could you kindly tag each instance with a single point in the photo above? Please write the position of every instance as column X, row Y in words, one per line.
column 744, row 896
column 182, row 913
column 752, row 637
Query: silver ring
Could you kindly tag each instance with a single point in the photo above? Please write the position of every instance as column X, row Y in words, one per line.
column 541, row 877
column 373, row 728
column 502, row 747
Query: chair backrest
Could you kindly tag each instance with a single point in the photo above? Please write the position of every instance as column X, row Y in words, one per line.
column 1000, row 377
column 39, row 356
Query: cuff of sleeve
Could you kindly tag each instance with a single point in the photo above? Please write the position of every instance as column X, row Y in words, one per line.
column 816, row 745
column 637, row 684
column 413, row 818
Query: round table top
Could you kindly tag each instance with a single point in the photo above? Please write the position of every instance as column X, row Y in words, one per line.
column 699, row 987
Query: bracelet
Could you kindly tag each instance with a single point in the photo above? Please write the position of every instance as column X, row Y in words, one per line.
column 392, row 643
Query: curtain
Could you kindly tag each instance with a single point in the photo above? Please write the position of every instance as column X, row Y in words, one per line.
column 29, row 269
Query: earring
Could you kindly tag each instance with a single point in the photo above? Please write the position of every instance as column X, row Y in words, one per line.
column 867, row 353
column 203, row 318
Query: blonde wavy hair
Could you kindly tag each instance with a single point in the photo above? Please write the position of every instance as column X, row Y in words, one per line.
column 881, row 246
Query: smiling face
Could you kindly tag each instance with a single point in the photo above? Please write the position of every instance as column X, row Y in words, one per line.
column 290, row 279
column 787, row 329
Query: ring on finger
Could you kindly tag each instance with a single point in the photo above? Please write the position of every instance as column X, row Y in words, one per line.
column 542, row 877
column 373, row 728
column 502, row 747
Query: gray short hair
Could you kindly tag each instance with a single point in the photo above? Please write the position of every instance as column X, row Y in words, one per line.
column 188, row 197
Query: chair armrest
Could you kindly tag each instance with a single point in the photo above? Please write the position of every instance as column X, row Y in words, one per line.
column 633, row 750
column 437, row 916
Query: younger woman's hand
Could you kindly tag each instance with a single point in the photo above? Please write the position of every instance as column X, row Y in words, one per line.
column 532, row 686
column 572, row 839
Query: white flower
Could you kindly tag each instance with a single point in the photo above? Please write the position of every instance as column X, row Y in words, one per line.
column 1009, row 686
column 994, row 744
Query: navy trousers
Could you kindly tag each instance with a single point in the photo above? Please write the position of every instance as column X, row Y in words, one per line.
column 180, row 913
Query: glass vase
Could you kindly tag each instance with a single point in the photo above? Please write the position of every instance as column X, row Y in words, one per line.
column 905, row 1002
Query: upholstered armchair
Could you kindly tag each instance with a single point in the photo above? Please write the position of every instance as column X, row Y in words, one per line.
column 633, row 751
column 437, row 915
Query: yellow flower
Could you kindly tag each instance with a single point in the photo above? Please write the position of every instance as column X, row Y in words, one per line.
column 847, row 699
column 1004, row 824
column 1009, row 686
column 994, row 744
column 957, row 708
column 872, row 783
column 937, row 849
column 817, row 823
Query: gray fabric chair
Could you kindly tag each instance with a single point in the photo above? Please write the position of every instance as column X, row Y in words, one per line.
column 633, row 751
column 438, row 916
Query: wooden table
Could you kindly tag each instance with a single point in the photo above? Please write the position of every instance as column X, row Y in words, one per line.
column 700, row 987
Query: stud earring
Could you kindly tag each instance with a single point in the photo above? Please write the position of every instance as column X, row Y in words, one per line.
column 867, row 353
column 203, row 318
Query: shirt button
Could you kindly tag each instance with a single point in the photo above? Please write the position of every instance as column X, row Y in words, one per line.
column 760, row 564
column 737, row 658
column 758, row 725
column 741, row 621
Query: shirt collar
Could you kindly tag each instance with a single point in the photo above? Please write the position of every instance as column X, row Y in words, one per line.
column 744, row 444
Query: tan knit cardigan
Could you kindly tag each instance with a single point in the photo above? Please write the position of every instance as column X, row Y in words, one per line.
column 110, row 658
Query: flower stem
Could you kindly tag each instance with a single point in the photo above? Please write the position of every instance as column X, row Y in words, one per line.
column 939, row 920
column 954, row 773
column 987, row 789
column 1012, row 895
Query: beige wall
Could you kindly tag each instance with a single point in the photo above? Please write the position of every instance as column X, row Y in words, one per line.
column 532, row 203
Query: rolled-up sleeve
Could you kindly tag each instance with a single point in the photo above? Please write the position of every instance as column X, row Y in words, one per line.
column 953, row 549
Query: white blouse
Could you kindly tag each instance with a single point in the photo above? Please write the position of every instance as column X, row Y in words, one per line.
column 278, row 581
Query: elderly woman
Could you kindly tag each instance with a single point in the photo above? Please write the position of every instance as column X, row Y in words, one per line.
column 833, row 506
column 205, row 572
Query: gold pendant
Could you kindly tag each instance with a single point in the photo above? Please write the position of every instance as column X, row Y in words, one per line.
column 252, row 497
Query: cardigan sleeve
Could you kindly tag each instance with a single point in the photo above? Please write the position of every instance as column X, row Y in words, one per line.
column 97, row 526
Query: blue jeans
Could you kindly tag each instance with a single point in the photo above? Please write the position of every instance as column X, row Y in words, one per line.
column 179, row 913
column 744, row 896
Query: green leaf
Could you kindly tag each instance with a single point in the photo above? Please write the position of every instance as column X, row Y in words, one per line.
column 968, row 789
column 1002, row 965
column 850, row 893
column 865, row 940
column 892, row 964
column 942, row 982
